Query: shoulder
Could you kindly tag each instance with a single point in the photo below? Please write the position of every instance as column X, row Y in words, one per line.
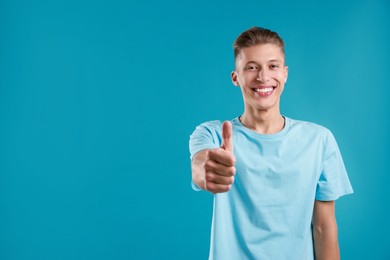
column 207, row 135
column 212, row 124
column 211, row 129
column 309, row 127
column 216, row 125
column 314, row 135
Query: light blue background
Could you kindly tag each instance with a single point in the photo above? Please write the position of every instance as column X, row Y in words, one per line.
column 98, row 99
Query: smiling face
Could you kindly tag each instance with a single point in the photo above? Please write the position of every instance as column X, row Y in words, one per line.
column 261, row 74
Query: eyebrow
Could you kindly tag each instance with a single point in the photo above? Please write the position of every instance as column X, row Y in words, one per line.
column 273, row 60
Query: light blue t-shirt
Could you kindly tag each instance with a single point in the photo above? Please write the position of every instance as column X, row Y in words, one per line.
column 268, row 211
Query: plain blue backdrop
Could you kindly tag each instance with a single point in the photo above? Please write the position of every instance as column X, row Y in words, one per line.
column 98, row 99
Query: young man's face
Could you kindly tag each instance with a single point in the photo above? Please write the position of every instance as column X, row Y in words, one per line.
column 261, row 74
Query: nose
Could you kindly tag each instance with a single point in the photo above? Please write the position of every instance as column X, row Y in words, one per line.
column 263, row 76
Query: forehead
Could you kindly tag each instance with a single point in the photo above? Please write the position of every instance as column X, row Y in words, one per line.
column 260, row 53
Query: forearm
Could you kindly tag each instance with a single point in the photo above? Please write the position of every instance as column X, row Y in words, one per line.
column 326, row 242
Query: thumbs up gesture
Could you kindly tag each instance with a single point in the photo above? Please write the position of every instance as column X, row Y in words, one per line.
column 219, row 165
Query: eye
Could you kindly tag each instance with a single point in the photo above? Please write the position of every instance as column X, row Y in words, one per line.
column 251, row 68
column 273, row 66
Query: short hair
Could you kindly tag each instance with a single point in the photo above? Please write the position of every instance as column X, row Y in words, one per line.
column 254, row 36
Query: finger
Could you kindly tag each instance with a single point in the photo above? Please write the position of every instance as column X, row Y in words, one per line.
column 220, row 169
column 219, row 155
column 217, row 188
column 219, row 179
column 227, row 142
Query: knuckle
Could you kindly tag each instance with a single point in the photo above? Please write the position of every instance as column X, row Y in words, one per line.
column 209, row 186
column 234, row 160
column 208, row 154
column 226, row 188
column 231, row 180
column 212, row 152
column 231, row 160
column 231, row 171
column 207, row 165
column 209, row 176
column 228, row 181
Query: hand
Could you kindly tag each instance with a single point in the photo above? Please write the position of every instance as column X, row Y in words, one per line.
column 219, row 165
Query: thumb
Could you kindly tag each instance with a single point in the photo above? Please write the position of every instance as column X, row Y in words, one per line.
column 227, row 139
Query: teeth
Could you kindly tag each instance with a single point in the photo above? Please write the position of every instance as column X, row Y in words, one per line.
column 263, row 90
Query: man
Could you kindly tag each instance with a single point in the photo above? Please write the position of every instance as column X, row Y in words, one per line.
column 275, row 179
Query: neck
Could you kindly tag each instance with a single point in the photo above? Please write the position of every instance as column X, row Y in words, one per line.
column 263, row 122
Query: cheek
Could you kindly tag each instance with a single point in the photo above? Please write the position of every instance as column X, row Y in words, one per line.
column 249, row 78
column 280, row 75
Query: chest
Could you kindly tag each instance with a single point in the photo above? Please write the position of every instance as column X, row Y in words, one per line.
column 278, row 167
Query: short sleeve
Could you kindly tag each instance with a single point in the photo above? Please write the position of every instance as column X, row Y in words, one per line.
column 205, row 136
column 333, row 182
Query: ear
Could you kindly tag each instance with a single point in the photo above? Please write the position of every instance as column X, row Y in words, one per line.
column 234, row 77
column 285, row 73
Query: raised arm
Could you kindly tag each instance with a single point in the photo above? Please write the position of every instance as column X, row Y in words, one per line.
column 213, row 170
column 326, row 245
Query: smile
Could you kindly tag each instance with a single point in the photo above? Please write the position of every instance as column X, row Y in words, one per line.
column 264, row 91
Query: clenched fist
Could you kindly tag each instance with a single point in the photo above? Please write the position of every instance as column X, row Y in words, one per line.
column 219, row 166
